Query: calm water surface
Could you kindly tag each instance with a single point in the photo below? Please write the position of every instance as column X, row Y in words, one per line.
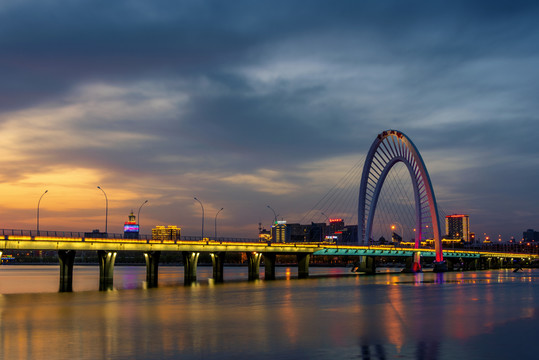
column 468, row 315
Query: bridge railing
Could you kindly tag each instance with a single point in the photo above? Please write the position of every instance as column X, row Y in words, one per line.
column 89, row 235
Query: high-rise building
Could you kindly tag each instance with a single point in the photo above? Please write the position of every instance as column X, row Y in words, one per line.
column 280, row 232
column 131, row 228
column 170, row 232
column 335, row 225
column 457, row 226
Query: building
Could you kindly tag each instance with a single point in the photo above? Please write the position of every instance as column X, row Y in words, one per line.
column 348, row 235
column 335, row 225
column 457, row 226
column 313, row 232
column 170, row 232
column 530, row 236
column 280, row 232
column 131, row 228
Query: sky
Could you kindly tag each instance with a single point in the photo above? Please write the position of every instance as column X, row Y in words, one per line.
column 246, row 104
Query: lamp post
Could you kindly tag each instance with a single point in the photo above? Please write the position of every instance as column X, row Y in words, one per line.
column 202, row 206
column 39, row 201
column 393, row 228
column 274, row 214
column 216, row 222
column 138, row 214
column 106, row 210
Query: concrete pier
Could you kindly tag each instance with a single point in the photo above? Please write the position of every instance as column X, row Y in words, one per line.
column 253, row 264
column 367, row 264
column 218, row 262
column 190, row 261
column 106, row 269
column 303, row 265
column 66, row 259
column 269, row 265
column 413, row 264
column 152, row 267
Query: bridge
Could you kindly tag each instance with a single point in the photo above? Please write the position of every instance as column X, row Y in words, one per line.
column 107, row 249
column 389, row 148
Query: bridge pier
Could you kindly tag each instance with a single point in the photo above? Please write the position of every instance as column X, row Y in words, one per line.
column 269, row 265
column 190, row 260
column 303, row 265
column 440, row 266
column 367, row 264
column 493, row 263
column 66, row 259
column 413, row 264
column 218, row 262
column 152, row 267
column 470, row 264
column 106, row 269
column 483, row 263
column 253, row 264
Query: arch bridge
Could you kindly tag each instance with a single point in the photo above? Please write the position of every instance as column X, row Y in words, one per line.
column 389, row 148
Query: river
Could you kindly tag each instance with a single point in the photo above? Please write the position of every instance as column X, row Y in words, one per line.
column 332, row 315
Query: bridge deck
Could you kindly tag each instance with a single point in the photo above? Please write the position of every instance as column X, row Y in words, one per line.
column 15, row 242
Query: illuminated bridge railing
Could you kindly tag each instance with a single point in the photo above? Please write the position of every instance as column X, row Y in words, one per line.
column 117, row 236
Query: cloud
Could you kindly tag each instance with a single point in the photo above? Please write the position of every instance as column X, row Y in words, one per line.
column 248, row 103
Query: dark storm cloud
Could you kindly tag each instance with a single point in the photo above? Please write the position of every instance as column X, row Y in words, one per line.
column 62, row 43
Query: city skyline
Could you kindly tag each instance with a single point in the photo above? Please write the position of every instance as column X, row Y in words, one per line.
column 247, row 104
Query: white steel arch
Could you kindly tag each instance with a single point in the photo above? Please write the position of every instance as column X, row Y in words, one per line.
column 389, row 148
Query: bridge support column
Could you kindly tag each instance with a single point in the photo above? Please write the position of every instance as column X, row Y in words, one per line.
column 106, row 269
column 66, row 259
column 413, row 264
column 152, row 267
column 269, row 265
column 303, row 265
column 367, row 265
column 494, row 263
column 253, row 264
column 469, row 264
column 218, row 261
column 190, row 260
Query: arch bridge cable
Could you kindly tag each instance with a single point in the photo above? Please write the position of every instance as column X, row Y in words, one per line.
column 396, row 192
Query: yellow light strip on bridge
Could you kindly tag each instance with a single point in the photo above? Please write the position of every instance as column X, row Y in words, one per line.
column 53, row 238
column 17, row 237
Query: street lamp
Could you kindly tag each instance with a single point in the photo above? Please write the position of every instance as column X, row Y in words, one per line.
column 138, row 214
column 216, row 222
column 393, row 228
column 200, row 202
column 39, row 201
column 274, row 214
column 106, row 209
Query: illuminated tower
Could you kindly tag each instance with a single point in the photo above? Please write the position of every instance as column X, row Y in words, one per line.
column 131, row 228
column 458, row 227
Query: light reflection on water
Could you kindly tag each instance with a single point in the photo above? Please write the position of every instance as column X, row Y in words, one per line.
column 469, row 315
